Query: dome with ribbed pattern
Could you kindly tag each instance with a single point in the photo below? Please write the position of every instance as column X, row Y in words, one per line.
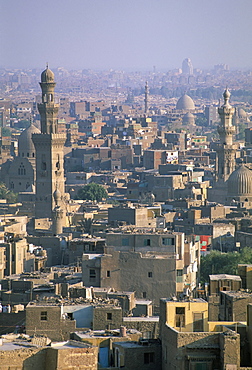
column 47, row 75
column 240, row 182
column 185, row 103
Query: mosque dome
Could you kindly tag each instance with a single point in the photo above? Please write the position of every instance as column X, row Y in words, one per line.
column 185, row 103
column 242, row 113
column 25, row 144
column 188, row 118
column 47, row 75
column 240, row 182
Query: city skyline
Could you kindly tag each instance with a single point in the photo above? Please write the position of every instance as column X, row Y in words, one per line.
column 121, row 34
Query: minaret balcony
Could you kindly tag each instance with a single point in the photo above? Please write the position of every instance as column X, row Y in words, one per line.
column 226, row 130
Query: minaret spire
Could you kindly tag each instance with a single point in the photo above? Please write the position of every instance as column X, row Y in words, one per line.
column 49, row 145
column 48, row 109
column 226, row 150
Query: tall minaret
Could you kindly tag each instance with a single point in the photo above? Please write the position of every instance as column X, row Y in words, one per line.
column 146, row 98
column 226, row 150
column 49, row 152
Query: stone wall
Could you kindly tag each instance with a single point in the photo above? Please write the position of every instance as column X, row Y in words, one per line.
column 147, row 328
column 107, row 318
column 213, row 307
column 25, row 358
column 230, row 349
column 50, row 358
column 54, row 327
column 9, row 321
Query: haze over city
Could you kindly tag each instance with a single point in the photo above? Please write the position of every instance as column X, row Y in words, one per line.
column 132, row 34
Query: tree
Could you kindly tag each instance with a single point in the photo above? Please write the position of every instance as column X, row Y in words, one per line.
column 223, row 263
column 5, row 193
column 6, row 132
column 85, row 225
column 200, row 121
column 92, row 192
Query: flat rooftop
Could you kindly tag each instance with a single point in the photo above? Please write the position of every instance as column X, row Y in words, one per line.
column 224, row 277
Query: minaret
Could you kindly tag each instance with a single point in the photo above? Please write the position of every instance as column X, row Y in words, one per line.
column 57, row 214
column 49, row 152
column 146, row 98
column 226, row 150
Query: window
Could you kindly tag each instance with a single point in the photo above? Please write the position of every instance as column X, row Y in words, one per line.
column 148, row 357
column 43, row 315
column 180, row 317
column 150, row 274
column 108, row 273
column 198, row 320
column 109, row 315
column 168, row 241
column 43, row 162
column 179, row 276
column 144, row 294
column 21, row 170
column 92, row 274
column 147, row 242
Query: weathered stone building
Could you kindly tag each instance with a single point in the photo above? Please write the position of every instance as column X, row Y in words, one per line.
column 151, row 264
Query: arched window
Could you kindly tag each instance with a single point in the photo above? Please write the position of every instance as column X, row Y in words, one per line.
column 58, row 163
column 43, row 163
column 22, row 170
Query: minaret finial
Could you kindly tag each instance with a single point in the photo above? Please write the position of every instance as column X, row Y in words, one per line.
column 47, row 65
column 226, row 96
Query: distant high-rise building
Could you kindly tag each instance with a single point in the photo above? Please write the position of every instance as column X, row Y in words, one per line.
column 146, row 98
column 187, row 67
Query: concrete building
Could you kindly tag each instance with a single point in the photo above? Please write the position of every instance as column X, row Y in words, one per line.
column 245, row 272
column 190, row 342
column 137, row 355
column 152, row 265
column 133, row 215
column 233, row 305
column 104, row 341
column 187, row 67
column 224, row 282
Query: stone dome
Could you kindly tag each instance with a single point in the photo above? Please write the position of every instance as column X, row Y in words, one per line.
column 240, row 182
column 25, row 144
column 188, row 118
column 47, row 75
column 185, row 103
column 242, row 113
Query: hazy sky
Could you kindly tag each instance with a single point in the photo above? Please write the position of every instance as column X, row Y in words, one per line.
column 125, row 34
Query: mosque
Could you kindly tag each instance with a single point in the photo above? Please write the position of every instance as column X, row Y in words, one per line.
column 37, row 172
column 19, row 174
column 233, row 185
